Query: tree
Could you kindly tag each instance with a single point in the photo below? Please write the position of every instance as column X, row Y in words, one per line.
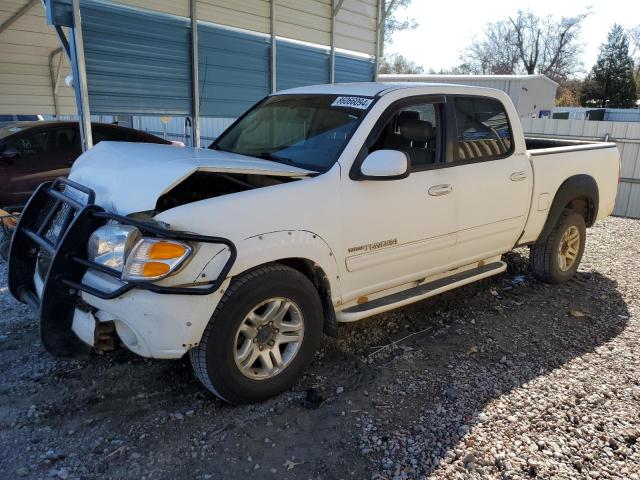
column 568, row 94
column 529, row 44
column 634, row 45
column 390, row 23
column 495, row 54
column 611, row 82
column 396, row 63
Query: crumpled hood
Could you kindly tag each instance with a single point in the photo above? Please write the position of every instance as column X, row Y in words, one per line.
column 130, row 177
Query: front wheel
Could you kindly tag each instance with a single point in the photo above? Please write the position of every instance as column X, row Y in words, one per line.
column 262, row 335
column 556, row 259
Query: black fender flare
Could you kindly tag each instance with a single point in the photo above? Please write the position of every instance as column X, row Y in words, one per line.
column 577, row 186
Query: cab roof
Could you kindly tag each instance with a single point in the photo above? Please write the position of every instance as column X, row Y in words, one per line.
column 371, row 89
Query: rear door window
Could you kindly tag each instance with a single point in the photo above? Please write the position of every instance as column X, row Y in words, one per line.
column 482, row 129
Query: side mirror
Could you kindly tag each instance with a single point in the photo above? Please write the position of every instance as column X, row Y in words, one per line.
column 385, row 165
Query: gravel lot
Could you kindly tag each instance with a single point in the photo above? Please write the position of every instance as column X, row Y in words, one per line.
column 510, row 378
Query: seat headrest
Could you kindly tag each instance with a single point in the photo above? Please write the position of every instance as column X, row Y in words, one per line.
column 417, row 130
column 406, row 115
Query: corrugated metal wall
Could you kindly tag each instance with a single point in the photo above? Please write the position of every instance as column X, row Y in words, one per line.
column 234, row 70
column 299, row 65
column 356, row 26
column 25, row 78
column 234, row 65
column 140, row 63
column 305, row 20
column 138, row 53
column 353, row 69
column 627, row 137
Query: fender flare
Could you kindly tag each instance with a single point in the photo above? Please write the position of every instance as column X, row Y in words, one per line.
column 574, row 187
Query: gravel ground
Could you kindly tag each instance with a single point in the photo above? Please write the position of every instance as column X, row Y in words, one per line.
column 509, row 378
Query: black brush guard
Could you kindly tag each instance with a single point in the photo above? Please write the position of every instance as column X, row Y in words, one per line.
column 55, row 225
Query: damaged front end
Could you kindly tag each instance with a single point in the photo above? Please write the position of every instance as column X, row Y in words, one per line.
column 48, row 261
column 203, row 185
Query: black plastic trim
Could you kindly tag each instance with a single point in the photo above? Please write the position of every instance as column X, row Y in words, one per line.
column 573, row 187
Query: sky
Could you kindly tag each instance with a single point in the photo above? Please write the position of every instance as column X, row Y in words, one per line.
column 446, row 27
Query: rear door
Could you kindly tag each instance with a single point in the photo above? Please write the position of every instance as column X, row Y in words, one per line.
column 491, row 181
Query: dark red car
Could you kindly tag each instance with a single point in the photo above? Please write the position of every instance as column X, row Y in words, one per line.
column 35, row 152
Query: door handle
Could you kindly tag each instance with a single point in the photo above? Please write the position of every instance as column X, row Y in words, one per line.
column 438, row 190
column 518, row 176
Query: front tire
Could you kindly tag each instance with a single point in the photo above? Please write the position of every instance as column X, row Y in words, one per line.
column 556, row 260
column 261, row 337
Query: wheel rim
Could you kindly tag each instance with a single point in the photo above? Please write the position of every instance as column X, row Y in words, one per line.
column 568, row 248
column 269, row 338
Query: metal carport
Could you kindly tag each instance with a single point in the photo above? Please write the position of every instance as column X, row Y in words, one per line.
column 185, row 57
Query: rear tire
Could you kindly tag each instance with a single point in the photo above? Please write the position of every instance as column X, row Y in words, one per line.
column 557, row 258
column 262, row 335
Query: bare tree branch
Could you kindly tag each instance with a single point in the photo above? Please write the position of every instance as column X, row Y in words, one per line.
column 528, row 44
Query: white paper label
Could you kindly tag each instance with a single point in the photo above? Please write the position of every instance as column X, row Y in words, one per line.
column 360, row 103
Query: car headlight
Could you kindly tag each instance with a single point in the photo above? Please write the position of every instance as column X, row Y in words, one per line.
column 111, row 244
column 154, row 258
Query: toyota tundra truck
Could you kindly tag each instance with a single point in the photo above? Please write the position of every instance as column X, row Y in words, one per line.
column 320, row 205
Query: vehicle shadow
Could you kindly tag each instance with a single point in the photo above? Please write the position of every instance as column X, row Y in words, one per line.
column 421, row 396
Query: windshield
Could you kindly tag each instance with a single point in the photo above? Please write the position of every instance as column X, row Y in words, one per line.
column 307, row 131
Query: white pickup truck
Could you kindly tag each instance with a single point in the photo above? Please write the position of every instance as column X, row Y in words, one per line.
column 320, row 205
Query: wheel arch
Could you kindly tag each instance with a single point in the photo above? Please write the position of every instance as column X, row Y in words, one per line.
column 300, row 250
column 579, row 193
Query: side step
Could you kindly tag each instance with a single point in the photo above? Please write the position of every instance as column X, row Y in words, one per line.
column 415, row 294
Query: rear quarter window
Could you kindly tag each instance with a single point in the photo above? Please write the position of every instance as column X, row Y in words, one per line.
column 482, row 129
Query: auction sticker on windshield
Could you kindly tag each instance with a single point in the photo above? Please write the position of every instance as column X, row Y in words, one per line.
column 360, row 103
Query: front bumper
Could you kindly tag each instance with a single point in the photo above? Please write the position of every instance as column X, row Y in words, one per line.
column 56, row 224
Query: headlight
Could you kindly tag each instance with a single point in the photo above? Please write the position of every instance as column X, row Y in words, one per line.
column 111, row 244
column 153, row 258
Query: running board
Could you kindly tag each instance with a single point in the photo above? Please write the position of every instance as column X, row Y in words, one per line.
column 415, row 294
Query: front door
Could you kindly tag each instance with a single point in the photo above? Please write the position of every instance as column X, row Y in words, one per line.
column 400, row 231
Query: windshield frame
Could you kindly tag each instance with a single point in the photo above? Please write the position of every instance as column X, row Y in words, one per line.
column 313, row 168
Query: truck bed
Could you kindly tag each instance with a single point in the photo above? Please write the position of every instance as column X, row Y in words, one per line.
column 541, row 143
column 555, row 160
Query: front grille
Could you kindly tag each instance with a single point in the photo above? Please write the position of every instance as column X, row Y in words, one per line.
column 61, row 220
column 42, row 214
column 52, row 221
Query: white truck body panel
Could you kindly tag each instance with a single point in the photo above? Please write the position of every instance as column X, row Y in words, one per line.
column 361, row 234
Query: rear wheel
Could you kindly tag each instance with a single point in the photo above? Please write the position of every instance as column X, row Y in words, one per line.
column 557, row 259
column 262, row 335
